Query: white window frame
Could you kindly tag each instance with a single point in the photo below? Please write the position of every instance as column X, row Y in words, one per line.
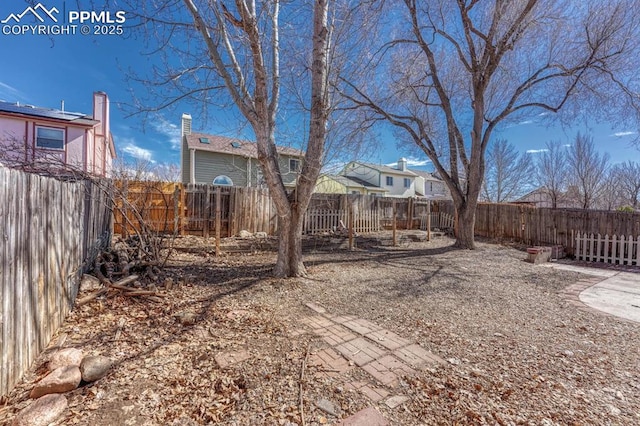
column 389, row 180
column 295, row 169
column 64, row 137
column 407, row 183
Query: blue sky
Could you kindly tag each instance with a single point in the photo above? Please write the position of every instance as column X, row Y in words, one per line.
column 44, row 70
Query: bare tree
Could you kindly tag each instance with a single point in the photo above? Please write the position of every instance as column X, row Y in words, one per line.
column 231, row 54
column 508, row 174
column 451, row 72
column 587, row 169
column 626, row 177
column 135, row 169
column 553, row 172
column 610, row 196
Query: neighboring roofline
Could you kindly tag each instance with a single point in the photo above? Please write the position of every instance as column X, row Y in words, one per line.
column 353, row 184
column 86, row 122
column 300, row 154
column 426, row 175
column 541, row 189
column 387, row 170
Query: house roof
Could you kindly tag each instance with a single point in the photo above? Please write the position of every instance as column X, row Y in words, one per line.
column 385, row 169
column 225, row 145
column 354, row 182
column 19, row 110
column 427, row 176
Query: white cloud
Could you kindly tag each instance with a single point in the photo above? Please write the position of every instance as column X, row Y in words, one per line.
column 135, row 151
column 525, row 122
column 536, row 151
column 411, row 162
column 169, row 130
column 621, row 134
column 10, row 92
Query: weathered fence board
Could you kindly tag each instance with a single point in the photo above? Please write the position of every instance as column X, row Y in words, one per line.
column 50, row 231
column 331, row 221
column 252, row 209
column 545, row 226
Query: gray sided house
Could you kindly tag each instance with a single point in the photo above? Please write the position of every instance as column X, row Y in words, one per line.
column 227, row 161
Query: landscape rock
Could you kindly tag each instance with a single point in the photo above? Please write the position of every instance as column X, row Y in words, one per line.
column 327, row 406
column 95, row 367
column 614, row 410
column 396, row 400
column 89, row 283
column 42, row 411
column 187, row 318
column 60, row 380
column 245, row 234
column 64, row 357
column 260, row 235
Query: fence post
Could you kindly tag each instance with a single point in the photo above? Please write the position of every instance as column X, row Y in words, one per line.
column 124, row 231
column 393, row 223
column 350, row 220
column 207, row 211
column 176, row 209
column 429, row 220
column 182, row 209
column 410, row 214
column 218, row 220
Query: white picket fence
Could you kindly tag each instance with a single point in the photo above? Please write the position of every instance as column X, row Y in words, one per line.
column 328, row 221
column 619, row 250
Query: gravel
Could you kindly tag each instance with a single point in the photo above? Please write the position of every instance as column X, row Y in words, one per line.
column 516, row 351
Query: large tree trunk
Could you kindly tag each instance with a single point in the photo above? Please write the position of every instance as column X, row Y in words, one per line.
column 289, row 262
column 465, row 238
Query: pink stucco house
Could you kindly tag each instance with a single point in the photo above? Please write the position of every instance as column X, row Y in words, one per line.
column 32, row 135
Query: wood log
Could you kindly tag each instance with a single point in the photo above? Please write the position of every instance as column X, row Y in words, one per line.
column 91, row 296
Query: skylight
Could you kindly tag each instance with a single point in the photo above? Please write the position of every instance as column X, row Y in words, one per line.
column 235, row 144
column 204, row 140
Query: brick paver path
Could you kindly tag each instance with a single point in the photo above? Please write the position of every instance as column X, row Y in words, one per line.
column 384, row 355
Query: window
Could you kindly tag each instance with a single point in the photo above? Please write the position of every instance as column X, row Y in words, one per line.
column 407, row 183
column 389, row 180
column 223, row 180
column 294, row 165
column 49, row 138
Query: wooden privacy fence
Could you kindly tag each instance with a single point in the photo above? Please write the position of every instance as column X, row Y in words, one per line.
column 545, row 226
column 198, row 209
column 155, row 202
column 204, row 209
column 619, row 250
column 50, row 230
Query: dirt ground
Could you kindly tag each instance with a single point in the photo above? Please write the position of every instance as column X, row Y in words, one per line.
column 515, row 351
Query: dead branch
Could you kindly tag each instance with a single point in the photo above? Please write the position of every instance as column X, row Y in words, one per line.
column 91, row 296
column 301, row 403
